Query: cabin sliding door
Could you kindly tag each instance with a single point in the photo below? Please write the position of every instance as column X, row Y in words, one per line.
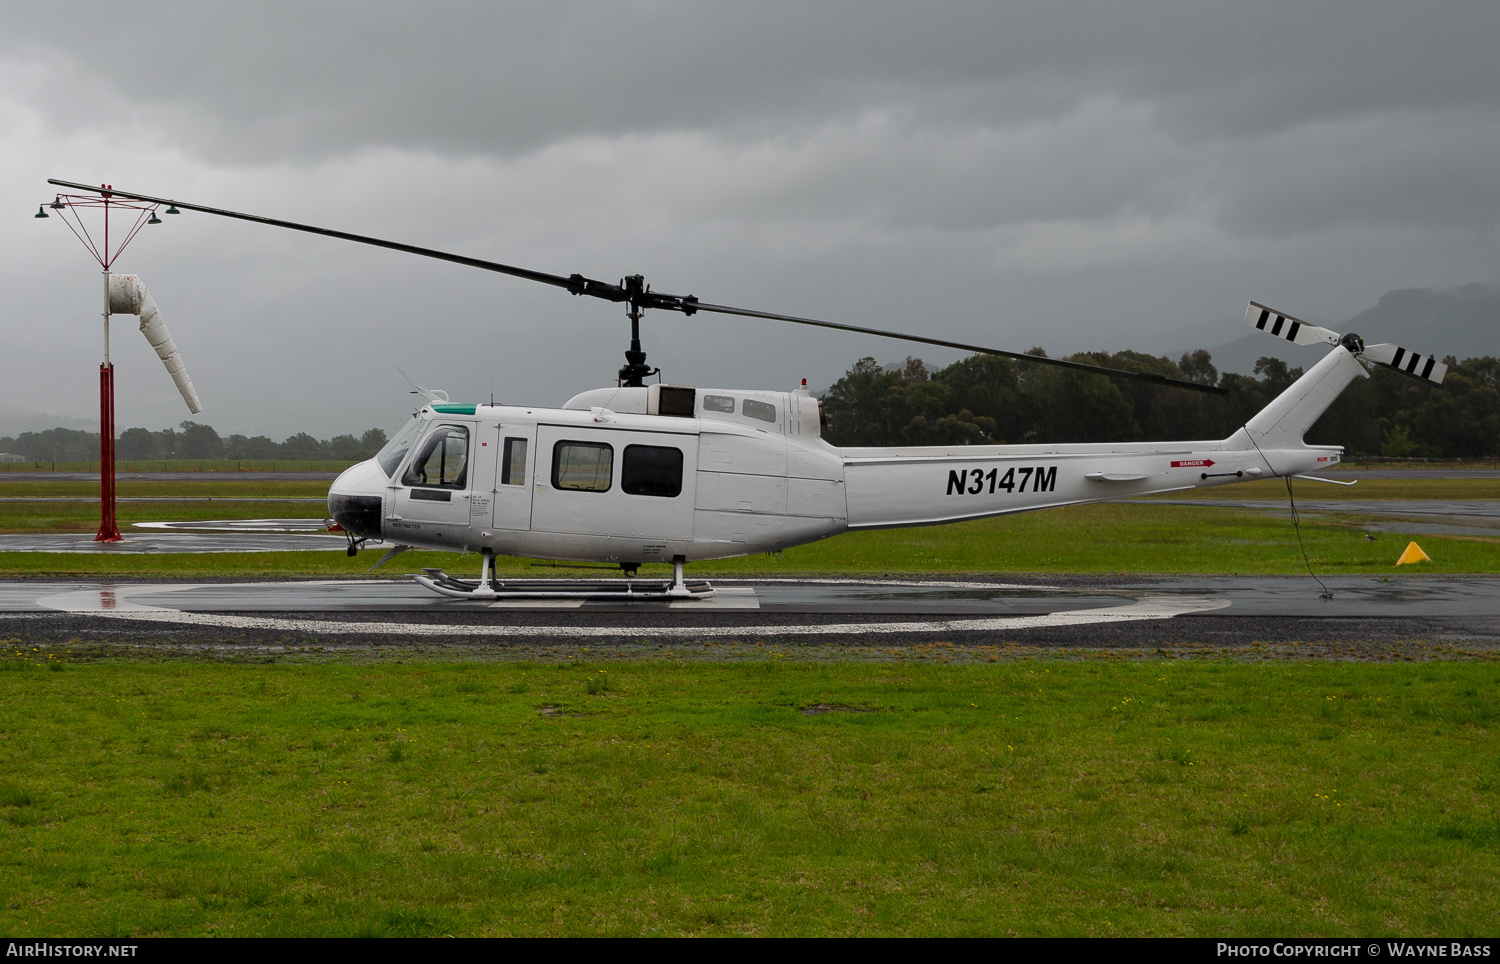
column 614, row 483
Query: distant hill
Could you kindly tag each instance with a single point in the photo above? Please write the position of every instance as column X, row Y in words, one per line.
column 15, row 422
column 1463, row 322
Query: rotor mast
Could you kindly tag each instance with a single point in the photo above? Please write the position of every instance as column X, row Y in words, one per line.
column 636, row 370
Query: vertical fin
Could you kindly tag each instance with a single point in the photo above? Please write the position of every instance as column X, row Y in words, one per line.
column 1283, row 422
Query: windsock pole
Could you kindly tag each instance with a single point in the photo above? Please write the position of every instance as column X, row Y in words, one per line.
column 109, row 531
column 67, row 207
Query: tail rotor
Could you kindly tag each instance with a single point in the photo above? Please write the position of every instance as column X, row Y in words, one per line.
column 1299, row 332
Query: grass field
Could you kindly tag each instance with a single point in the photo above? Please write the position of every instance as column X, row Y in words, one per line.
column 742, row 789
column 187, row 487
column 1275, row 489
column 1101, row 538
column 239, row 486
column 338, row 465
column 1022, row 797
column 1106, row 538
column 185, row 465
column 268, row 501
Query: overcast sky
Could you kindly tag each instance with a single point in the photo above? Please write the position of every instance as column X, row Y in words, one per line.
column 1074, row 176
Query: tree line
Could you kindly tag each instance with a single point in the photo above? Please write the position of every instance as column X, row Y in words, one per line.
column 985, row 400
column 189, row 441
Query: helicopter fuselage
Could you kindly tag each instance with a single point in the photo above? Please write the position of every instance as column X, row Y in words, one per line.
column 664, row 473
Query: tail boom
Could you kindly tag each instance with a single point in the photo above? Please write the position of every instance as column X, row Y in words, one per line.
column 917, row 486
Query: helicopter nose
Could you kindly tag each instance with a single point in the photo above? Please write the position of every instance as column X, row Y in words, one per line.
column 355, row 499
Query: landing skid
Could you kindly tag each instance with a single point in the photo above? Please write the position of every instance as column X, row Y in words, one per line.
column 619, row 590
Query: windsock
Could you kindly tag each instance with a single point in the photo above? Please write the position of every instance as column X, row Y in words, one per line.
column 127, row 296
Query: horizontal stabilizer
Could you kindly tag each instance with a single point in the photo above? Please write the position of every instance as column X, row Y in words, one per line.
column 1418, row 366
column 1297, row 332
column 1319, row 478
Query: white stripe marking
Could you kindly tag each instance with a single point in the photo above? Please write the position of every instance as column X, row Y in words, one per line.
column 1149, row 607
column 110, row 599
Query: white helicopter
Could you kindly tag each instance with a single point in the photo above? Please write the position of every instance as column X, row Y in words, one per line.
column 637, row 473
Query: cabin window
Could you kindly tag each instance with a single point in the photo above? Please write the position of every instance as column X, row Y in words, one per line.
column 513, row 462
column 395, row 450
column 718, row 403
column 652, row 470
column 443, row 460
column 582, row 466
column 764, row 411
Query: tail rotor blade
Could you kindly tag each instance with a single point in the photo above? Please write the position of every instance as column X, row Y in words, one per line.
column 1300, row 332
column 1407, row 362
column 1294, row 330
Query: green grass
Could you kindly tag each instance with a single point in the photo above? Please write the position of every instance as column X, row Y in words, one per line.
column 1275, row 489
column 1104, row 538
column 1110, row 538
column 83, row 516
column 1050, row 797
column 186, row 465
column 241, row 486
column 1138, row 537
column 1360, row 464
column 188, row 487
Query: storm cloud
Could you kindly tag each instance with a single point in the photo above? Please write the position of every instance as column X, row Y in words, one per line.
column 1067, row 175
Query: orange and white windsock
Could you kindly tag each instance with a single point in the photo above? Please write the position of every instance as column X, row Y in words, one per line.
column 127, row 296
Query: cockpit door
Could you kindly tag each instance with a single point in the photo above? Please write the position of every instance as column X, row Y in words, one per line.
column 432, row 494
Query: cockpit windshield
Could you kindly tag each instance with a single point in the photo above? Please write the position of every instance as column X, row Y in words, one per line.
column 395, row 450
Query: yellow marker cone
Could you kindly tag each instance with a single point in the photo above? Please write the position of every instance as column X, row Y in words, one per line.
column 1413, row 554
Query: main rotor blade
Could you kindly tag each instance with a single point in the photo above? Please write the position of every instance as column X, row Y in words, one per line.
column 577, row 284
column 961, row 346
